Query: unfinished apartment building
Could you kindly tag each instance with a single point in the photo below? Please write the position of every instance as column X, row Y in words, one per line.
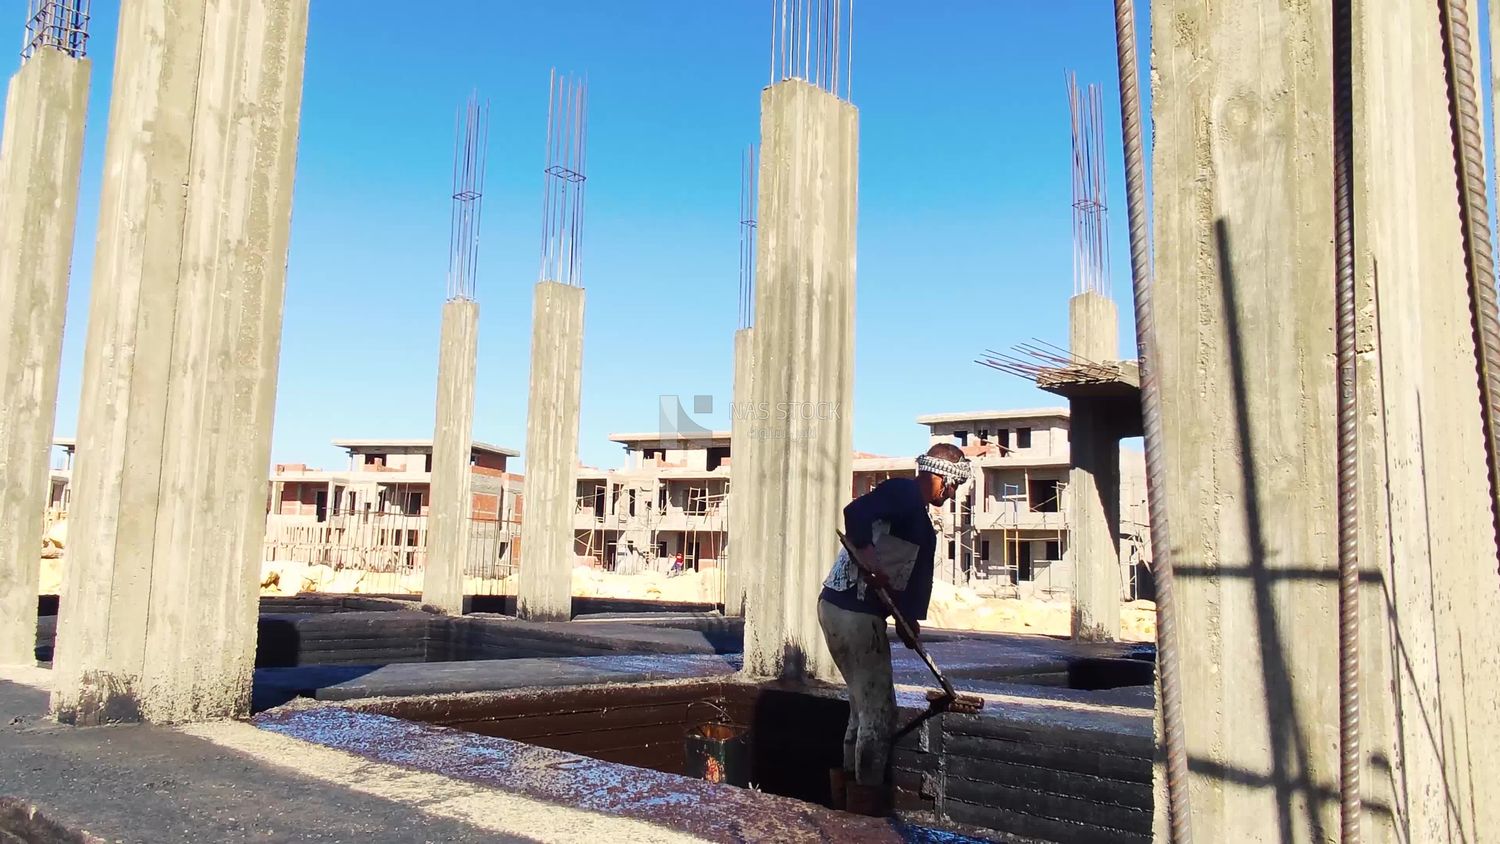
column 373, row 515
column 667, row 498
column 1006, row 531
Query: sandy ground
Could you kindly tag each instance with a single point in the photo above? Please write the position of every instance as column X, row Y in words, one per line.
column 953, row 608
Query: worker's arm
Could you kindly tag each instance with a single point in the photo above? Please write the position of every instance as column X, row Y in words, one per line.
column 860, row 516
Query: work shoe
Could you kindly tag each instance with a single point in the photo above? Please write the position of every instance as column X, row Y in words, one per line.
column 872, row 800
column 838, row 780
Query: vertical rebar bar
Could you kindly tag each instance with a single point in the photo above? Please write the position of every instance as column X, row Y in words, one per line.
column 1468, row 151
column 470, row 144
column 564, row 181
column 1169, row 667
column 1348, row 443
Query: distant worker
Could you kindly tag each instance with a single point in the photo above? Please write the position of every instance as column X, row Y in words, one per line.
column 891, row 529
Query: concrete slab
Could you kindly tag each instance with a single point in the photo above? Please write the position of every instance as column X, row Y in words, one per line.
column 154, row 784
column 703, row 810
column 434, row 678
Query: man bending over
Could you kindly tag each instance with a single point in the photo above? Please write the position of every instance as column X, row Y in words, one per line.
column 894, row 517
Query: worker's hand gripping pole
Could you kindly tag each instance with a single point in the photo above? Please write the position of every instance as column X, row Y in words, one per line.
column 948, row 697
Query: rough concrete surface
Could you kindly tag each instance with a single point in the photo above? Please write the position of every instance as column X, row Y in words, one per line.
column 1094, row 480
column 1244, row 317
column 798, row 464
column 40, row 156
column 1431, row 650
column 742, row 560
column 180, row 362
column 544, row 591
column 155, row 785
column 448, row 528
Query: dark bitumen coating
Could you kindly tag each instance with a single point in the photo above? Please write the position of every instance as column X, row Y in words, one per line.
column 712, row 812
column 152, row 784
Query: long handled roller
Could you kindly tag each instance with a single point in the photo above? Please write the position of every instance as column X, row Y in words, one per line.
column 937, row 701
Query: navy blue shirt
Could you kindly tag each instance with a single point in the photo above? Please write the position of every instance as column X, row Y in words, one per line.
column 898, row 502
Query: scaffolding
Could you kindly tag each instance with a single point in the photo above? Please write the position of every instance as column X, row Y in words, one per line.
column 1044, row 521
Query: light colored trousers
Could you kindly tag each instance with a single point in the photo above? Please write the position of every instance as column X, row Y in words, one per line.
column 862, row 650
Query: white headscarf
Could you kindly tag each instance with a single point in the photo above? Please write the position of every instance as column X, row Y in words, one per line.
column 955, row 473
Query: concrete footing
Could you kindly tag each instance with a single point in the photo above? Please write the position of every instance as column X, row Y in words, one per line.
column 179, row 382
column 797, row 463
column 448, row 520
column 546, row 582
column 40, row 156
column 1094, row 480
column 742, row 557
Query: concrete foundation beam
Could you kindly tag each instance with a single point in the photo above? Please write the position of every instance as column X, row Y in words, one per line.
column 40, row 155
column 546, row 582
column 798, row 460
column 180, row 363
column 742, row 555
column 449, row 531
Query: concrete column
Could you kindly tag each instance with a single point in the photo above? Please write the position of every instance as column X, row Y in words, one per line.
column 799, row 461
column 1427, row 554
column 1094, row 523
column 278, row 491
column 741, row 554
column 1244, row 315
column 448, row 520
column 1094, row 479
column 180, row 363
column 545, row 591
column 1093, row 327
column 40, row 155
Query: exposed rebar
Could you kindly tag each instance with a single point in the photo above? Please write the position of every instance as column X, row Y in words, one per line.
column 1348, row 434
column 564, row 180
column 1474, row 218
column 1090, row 212
column 749, row 178
column 1167, row 654
column 470, row 144
column 58, row 25
column 813, row 40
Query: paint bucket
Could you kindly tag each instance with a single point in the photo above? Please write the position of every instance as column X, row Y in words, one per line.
column 719, row 752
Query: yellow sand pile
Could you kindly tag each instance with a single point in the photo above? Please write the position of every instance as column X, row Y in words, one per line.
column 961, row 608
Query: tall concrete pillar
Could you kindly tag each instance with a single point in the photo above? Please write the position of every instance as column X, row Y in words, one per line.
column 545, row 591
column 1243, row 291
column 180, row 363
column 799, row 456
column 448, row 520
column 1427, row 554
column 1094, row 479
column 40, row 155
column 741, row 554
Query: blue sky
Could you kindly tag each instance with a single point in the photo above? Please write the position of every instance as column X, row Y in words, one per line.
column 964, row 235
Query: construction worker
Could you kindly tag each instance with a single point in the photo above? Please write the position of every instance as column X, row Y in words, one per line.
column 890, row 528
